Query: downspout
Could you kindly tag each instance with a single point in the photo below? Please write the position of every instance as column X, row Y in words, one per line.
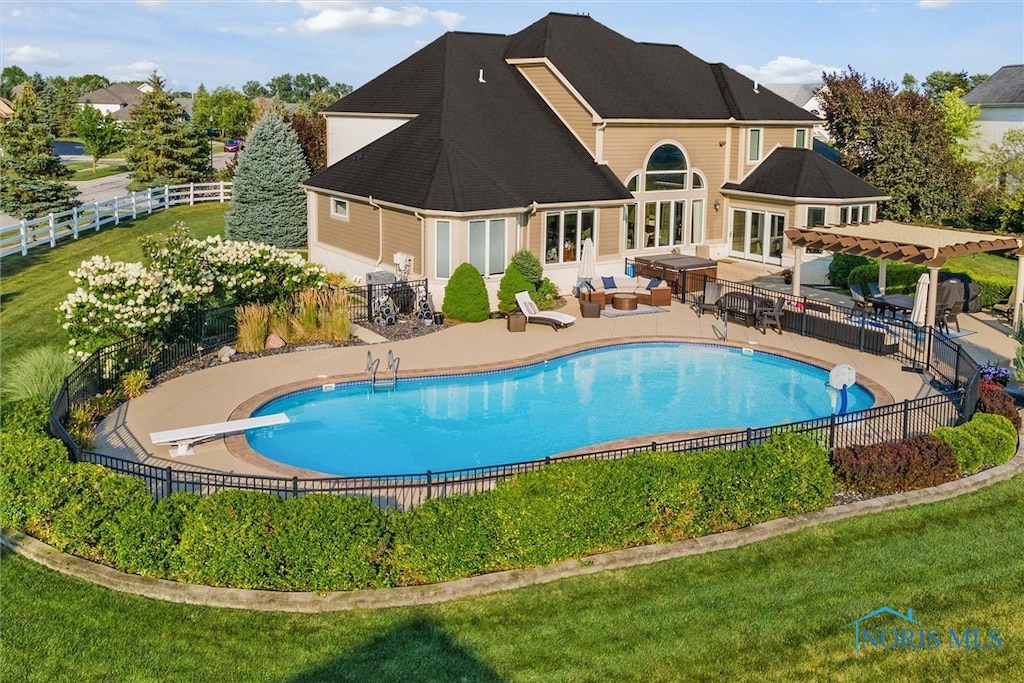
column 380, row 232
column 532, row 211
column 423, row 241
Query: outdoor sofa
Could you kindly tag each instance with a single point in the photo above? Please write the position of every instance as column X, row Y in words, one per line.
column 651, row 292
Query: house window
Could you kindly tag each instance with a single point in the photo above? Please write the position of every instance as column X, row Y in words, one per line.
column 697, row 221
column 859, row 213
column 443, row 249
column 801, row 138
column 754, row 145
column 666, row 170
column 564, row 232
column 487, row 246
column 664, row 223
column 815, row 216
column 629, row 219
column 339, row 208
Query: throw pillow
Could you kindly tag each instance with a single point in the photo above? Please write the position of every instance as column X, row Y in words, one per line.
column 655, row 282
column 608, row 281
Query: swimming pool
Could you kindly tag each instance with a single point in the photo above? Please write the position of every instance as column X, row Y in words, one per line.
column 528, row 413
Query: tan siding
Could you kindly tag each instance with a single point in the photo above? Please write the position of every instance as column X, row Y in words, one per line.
column 609, row 231
column 358, row 234
column 778, row 137
column 565, row 104
column 402, row 233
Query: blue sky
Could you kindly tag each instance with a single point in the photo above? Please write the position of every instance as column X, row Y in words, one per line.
column 228, row 43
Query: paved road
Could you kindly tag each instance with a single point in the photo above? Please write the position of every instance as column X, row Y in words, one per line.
column 108, row 187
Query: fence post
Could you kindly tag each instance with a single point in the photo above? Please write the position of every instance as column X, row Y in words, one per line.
column 191, row 194
column 906, row 419
column 832, row 432
column 117, row 211
column 24, row 238
column 167, row 196
column 169, row 481
column 96, row 215
column 295, row 487
column 53, row 233
column 749, row 436
column 135, row 205
column 429, row 482
column 149, row 200
column 74, row 221
column 956, row 369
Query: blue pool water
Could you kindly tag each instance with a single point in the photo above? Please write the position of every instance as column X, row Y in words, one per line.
column 587, row 398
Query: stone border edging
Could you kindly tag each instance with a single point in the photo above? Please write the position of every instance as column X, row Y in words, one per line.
column 309, row 603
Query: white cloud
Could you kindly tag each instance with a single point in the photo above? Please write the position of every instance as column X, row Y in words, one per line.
column 356, row 17
column 934, row 4
column 785, row 69
column 136, row 71
column 29, row 55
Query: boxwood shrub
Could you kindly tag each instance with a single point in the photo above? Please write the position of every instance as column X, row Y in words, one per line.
column 984, row 441
column 915, row 463
column 465, row 297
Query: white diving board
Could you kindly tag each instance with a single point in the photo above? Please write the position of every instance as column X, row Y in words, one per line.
column 183, row 439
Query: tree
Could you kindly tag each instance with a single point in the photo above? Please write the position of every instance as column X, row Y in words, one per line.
column 32, row 177
column 101, row 134
column 909, row 82
column 938, row 83
column 11, row 77
column 1001, row 169
column 311, row 130
column 57, row 106
column 958, row 118
column 254, row 89
column 88, row 83
column 267, row 201
column 297, row 88
column 163, row 149
column 898, row 142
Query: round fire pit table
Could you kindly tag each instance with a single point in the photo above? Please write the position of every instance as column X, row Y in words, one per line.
column 624, row 302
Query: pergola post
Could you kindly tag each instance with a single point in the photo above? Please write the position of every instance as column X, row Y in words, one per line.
column 798, row 259
column 1018, row 292
column 933, row 290
column 882, row 264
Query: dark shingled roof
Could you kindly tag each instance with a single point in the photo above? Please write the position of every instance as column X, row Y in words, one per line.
column 793, row 172
column 1005, row 86
column 496, row 144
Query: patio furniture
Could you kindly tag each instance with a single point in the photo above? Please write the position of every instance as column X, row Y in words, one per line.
column 624, row 302
column 708, row 301
column 658, row 295
column 590, row 309
column 860, row 302
column 893, row 304
column 684, row 274
column 743, row 305
column 555, row 319
column 873, row 290
column 765, row 316
column 1004, row 307
column 949, row 301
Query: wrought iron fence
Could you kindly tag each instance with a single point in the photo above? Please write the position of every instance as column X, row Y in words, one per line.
column 104, row 369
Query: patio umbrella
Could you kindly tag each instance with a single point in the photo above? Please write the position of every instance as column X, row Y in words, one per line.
column 588, row 257
column 920, row 310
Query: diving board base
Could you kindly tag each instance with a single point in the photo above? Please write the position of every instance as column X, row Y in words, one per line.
column 182, row 440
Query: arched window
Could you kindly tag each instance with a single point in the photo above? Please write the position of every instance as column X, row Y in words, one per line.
column 666, row 169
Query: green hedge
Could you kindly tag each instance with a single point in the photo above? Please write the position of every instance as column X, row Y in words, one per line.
column 984, row 441
column 902, row 277
column 321, row 542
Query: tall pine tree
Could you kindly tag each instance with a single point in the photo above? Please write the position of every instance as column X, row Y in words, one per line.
column 267, row 203
column 32, row 178
column 163, row 148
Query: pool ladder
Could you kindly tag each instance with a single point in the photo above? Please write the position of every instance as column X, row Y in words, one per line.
column 373, row 364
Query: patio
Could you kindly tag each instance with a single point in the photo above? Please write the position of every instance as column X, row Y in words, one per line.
column 231, row 390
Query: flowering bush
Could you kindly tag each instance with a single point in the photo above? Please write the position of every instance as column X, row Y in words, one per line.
column 993, row 373
column 115, row 300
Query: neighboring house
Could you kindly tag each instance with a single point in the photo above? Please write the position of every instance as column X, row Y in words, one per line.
column 6, row 108
column 116, row 99
column 480, row 145
column 1001, row 99
column 805, row 96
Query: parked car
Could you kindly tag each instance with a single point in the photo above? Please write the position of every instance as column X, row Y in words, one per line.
column 234, row 145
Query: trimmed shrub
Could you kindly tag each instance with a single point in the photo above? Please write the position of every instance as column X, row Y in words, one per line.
column 37, row 374
column 30, row 415
column 915, row 463
column 899, row 277
column 985, row 440
column 512, row 282
column 965, row 446
column 465, row 297
column 994, row 400
column 546, row 295
column 840, row 267
column 161, row 531
column 529, row 265
column 27, row 459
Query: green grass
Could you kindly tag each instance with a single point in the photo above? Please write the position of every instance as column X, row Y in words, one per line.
column 987, row 265
column 84, row 170
column 775, row 611
column 31, row 287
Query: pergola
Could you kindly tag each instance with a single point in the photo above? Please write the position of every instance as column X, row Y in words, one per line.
column 920, row 244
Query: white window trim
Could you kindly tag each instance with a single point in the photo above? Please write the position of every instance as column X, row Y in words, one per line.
column 796, row 136
column 336, row 214
column 487, row 242
column 578, row 248
column 437, row 252
column 751, row 158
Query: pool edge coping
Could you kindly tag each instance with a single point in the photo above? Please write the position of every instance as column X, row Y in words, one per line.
column 486, row 584
column 238, row 447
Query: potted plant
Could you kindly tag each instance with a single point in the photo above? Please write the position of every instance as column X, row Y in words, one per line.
column 996, row 374
column 787, row 276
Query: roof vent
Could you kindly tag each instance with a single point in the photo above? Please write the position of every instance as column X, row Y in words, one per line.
column 755, row 88
column 482, row 76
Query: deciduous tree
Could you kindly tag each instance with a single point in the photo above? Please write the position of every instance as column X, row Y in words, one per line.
column 11, row 76
column 100, row 133
column 898, row 142
column 267, row 202
column 32, row 177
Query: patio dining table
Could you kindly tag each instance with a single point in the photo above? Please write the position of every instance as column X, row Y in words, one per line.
column 894, row 303
column 743, row 305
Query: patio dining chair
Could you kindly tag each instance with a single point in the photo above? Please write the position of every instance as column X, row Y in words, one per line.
column 861, row 305
column 873, row 290
column 769, row 315
column 708, row 301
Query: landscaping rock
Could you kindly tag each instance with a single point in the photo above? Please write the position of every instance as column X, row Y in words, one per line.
column 274, row 342
column 225, row 353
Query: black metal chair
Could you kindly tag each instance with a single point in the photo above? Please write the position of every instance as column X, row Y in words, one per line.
column 873, row 290
column 769, row 315
column 708, row 301
column 861, row 305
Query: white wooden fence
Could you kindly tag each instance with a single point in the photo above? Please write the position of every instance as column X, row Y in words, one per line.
column 47, row 230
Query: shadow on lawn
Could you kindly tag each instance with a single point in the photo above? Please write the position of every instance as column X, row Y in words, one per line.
column 415, row 650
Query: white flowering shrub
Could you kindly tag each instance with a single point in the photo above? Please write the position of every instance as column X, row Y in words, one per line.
column 115, row 300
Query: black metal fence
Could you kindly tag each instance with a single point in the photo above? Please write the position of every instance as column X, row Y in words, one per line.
column 951, row 365
column 400, row 296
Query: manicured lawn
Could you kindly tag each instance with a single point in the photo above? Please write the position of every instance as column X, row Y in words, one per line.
column 33, row 286
column 990, row 265
column 84, row 170
column 770, row 612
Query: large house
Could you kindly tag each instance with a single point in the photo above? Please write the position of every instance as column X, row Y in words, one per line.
column 1001, row 100
column 480, row 145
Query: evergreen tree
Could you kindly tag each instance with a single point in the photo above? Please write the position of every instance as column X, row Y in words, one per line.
column 267, row 203
column 31, row 175
column 163, row 149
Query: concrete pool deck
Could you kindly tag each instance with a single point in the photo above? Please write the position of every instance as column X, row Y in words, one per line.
column 227, row 391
